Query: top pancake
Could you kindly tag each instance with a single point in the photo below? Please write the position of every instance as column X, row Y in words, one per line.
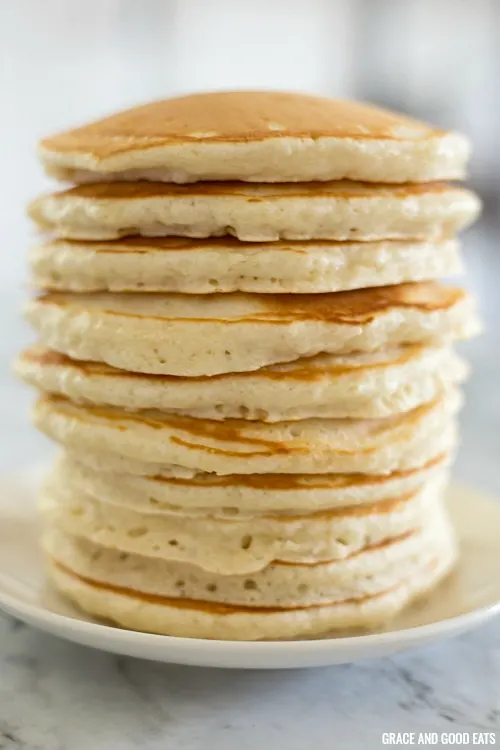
column 256, row 136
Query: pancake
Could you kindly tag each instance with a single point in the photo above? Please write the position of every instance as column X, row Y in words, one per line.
column 189, row 618
column 261, row 136
column 228, row 546
column 238, row 495
column 377, row 384
column 372, row 569
column 257, row 213
column 224, row 264
column 213, row 334
column 373, row 446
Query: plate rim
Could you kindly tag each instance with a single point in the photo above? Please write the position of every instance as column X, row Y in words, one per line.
column 448, row 623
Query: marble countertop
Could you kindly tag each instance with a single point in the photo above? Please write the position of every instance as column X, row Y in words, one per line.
column 58, row 696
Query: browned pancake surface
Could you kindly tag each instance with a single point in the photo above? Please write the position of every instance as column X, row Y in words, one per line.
column 253, row 192
column 235, row 117
column 352, row 307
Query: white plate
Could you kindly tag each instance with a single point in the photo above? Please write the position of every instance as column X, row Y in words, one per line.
column 470, row 596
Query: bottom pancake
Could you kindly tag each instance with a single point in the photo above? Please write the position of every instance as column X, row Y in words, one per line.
column 201, row 619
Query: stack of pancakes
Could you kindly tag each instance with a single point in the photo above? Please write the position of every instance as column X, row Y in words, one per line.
column 247, row 361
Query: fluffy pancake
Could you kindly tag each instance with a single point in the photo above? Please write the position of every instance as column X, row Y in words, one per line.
column 260, row 136
column 224, row 264
column 376, row 384
column 212, row 334
column 366, row 572
column 200, row 619
column 373, row 446
column 257, row 213
column 236, row 546
column 237, row 495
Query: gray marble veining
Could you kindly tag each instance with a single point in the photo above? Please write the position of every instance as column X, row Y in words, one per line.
column 59, row 696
